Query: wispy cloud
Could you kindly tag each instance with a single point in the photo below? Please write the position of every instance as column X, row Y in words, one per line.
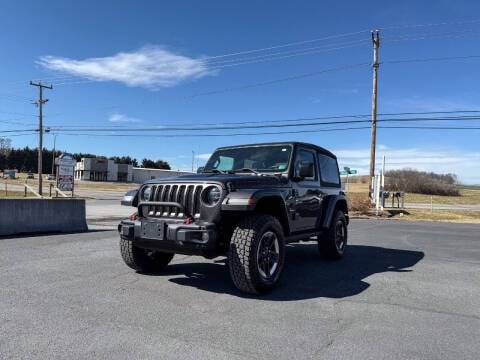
column 437, row 160
column 121, row 118
column 151, row 67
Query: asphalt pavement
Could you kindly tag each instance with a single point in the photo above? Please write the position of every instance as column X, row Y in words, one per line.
column 404, row 291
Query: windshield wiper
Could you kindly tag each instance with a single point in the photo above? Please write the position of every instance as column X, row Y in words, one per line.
column 247, row 169
column 214, row 171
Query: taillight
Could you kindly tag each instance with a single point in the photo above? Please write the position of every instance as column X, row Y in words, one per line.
column 188, row 220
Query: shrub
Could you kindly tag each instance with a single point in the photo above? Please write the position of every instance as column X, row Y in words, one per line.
column 421, row 182
column 358, row 202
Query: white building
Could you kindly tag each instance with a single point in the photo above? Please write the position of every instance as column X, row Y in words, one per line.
column 101, row 169
column 140, row 175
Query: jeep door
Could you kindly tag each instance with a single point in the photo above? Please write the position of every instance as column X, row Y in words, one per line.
column 306, row 191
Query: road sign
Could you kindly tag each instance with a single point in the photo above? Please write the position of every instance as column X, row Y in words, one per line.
column 347, row 171
column 65, row 167
column 66, row 160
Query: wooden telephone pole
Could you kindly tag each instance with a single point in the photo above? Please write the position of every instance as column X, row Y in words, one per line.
column 40, row 103
column 376, row 45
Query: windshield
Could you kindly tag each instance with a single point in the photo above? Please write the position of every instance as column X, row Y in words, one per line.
column 274, row 158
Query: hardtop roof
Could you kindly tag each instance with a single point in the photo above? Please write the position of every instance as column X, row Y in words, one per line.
column 294, row 143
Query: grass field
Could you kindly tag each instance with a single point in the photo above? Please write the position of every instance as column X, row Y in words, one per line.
column 469, row 195
column 84, row 185
column 442, row 215
column 15, row 195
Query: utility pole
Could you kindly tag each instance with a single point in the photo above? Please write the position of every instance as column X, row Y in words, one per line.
column 53, row 154
column 376, row 45
column 40, row 103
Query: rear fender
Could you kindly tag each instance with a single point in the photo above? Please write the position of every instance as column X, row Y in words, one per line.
column 332, row 203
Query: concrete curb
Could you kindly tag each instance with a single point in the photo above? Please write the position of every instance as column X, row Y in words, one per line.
column 42, row 215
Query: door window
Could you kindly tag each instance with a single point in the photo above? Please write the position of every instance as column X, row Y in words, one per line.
column 306, row 156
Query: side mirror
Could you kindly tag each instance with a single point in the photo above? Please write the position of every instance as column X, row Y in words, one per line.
column 304, row 170
column 130, row 198
column 200, row 169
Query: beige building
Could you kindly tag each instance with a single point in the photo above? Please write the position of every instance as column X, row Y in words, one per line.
column 101, row 169
column 140, row 175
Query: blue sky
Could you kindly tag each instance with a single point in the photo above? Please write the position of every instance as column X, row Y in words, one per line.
column 138, row 64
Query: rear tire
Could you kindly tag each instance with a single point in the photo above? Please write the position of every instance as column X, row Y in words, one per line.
column 257, row 253
column 333, row 243
column 143, row 260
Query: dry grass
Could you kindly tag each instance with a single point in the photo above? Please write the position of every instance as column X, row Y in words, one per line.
column 359, row 203
column 467, row 217
column 357, row 188
column 15, row 195
column 84, row 185
column 468, row 196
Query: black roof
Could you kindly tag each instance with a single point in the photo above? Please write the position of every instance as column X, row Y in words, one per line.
column 294, row 143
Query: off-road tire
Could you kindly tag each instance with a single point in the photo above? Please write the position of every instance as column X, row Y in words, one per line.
column 143, row 260
column 243, row 250
column 327, row 243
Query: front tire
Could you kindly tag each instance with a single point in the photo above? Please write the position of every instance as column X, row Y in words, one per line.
column 257, row 254
column 333, row 243
column 143, row 260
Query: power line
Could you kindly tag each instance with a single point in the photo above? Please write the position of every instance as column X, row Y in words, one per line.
column 237, row 62
column 462, row 22
column 289, row 44
column 432, row 127
column 306, row 75
column 292, row 54
column 274, row 133
column 270, row 82
column 327, row 117
column 275, row 54
column 262, row 126
column 444, row 58
column 433, row 36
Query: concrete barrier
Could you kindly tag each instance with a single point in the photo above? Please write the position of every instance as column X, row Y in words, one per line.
column 41, row 215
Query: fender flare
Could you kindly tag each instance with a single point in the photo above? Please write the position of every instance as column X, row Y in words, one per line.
column 331, row 204
column 252, row 199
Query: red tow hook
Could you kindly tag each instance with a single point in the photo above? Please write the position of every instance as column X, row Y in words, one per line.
column 134, row 216
column 188, row 220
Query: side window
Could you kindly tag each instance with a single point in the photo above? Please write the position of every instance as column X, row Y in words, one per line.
column 306, row 156
column 223, row 163
column 328, row 170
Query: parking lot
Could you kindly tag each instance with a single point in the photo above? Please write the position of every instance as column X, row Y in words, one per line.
column 405, row 290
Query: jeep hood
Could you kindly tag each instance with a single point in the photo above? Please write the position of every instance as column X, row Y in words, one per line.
column 239, row 181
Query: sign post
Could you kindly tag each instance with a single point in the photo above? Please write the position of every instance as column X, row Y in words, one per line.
column 347, row 171
column 65, row 167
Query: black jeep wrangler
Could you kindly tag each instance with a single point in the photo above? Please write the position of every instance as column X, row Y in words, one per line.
column 247, row 203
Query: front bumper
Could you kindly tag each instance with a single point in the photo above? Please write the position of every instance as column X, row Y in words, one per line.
column 170, row 236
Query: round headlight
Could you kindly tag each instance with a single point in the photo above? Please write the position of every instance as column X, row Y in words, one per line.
column 213, row 195
column 146, row 193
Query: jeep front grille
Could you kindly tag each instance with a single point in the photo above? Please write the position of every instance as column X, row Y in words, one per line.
column 187, row 195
